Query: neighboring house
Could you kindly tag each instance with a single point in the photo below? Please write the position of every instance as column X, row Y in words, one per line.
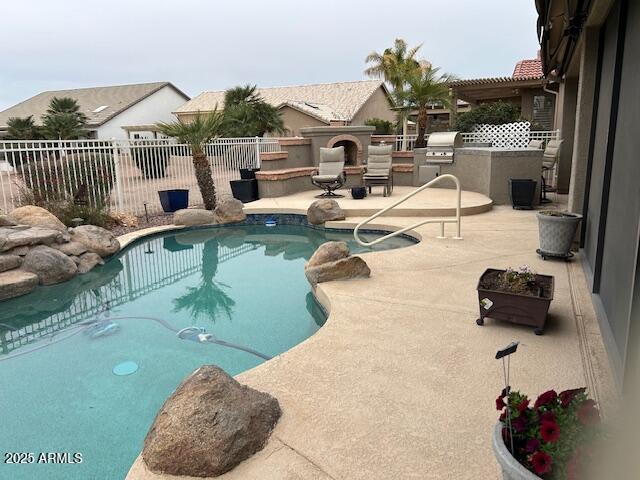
column 593, row 63
column 525, row 87
column 344, row 103
column 120, row 111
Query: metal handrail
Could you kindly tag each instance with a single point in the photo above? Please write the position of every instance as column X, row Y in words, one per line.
column 441, row 221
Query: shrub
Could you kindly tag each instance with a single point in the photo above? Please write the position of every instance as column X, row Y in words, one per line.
column 82, row 177
column 152, row 160
column 494, row 113
column 383, row 127
column 552, row 438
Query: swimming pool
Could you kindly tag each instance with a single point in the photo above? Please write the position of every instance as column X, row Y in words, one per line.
column 85, row 365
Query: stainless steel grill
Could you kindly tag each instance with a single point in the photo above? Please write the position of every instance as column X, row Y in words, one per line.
column 441, row 145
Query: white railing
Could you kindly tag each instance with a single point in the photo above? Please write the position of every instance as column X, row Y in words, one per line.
column 441, row 221
column 124, row 175
column 504, row 139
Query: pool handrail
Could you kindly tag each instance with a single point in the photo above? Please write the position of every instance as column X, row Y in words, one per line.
column 441, row 221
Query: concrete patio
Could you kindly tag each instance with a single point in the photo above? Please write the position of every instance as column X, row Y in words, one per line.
column 401, row 382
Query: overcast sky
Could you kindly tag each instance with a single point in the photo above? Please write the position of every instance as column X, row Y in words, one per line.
column 212, row 45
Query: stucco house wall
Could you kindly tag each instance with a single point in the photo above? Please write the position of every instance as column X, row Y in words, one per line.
column 377, row 106
column 294, row 120
column 157, row 107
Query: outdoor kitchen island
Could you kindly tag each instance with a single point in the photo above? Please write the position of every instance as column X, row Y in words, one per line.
column 487, row 170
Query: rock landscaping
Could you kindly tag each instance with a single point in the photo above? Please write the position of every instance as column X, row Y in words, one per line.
column 37, row 249
column 228, row 210
column 331, row 261
column 324, row 210
column 209, row 425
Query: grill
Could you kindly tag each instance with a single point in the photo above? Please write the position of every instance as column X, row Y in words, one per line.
column 439, row 151
column 441, row 145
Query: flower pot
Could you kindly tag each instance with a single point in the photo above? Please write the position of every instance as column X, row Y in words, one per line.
column 244, row 190
column 557, row 231
column 358, row 193
column 511, row 468
column 522, row 192
column 516, row 308
column 172, row 200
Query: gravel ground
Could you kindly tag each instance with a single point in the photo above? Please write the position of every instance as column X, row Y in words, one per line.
column 154, row 221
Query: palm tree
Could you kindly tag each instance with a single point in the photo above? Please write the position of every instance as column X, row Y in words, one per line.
column 63, row 119
column 22, row 129
column 201, row 130
column 246, row 114
column 208, row 300
column 395, row 65
column 425, row 88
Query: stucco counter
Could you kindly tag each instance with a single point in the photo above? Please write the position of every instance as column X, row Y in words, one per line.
column 487, row 170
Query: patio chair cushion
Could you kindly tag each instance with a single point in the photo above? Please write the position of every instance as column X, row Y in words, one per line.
column 379, row 161
column 324, row 178
column 535, row 144
column 331, row 161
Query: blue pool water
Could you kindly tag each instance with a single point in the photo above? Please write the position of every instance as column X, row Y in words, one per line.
column 85, row 365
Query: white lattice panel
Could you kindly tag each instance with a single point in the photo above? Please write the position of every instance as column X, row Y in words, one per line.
column 508, row 135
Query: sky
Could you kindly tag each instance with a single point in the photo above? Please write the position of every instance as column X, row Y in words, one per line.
column 203, row 45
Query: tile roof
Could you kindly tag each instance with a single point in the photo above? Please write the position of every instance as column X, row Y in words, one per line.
column 325, row 101
column 528, row 68
column 116, row 98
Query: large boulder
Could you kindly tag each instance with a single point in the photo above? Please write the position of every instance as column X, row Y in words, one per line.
column 71, row 248
column 328, row 252
column 50, row 265
column 209, row 425
column 22, row 235
column 350, row 267
column 194, row 216
column 95, row 239
column 324, row 210
column 9, row 262
column 87, row 261
column 5, row 221
column 229, row 210
column 37, row 217
column 16, row 282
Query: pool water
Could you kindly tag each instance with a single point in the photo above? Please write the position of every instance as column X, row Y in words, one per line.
column 85, row 365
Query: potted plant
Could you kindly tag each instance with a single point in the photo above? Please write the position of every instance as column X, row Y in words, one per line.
column 519, row 296
column 173, row 200
column 551, row 439
column 522, row 192
column 557, row 231
column 358, row 193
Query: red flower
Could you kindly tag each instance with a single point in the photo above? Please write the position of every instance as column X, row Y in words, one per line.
column 500, row 403
column 547, row 417
column 568, row 395
column 588, row 414
column 550, row 431
column 541, row 462
column 545, row 399
column 523, row 405
column 532, row 445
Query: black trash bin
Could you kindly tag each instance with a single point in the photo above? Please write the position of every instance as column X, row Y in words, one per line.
column 248, row 173
column 522, row 192
column 245, row 190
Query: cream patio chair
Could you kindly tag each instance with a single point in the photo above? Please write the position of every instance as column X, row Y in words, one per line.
column 379, row 170
column 330, row 173
column 550, row 159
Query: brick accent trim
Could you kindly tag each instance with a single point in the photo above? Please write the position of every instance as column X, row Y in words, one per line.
column 292, row 141
column 267, row 156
